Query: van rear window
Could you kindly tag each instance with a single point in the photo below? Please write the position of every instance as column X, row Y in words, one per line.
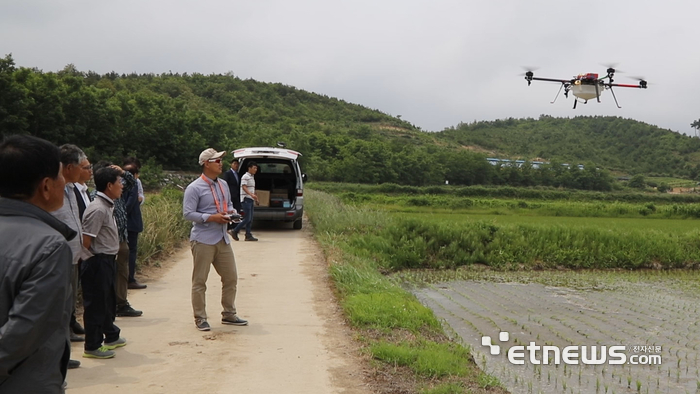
column 274, row 168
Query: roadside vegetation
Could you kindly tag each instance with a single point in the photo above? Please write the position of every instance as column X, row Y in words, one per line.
column 164, row 226
column 403, row 336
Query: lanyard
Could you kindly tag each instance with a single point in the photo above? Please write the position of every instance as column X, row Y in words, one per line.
column 213, row 193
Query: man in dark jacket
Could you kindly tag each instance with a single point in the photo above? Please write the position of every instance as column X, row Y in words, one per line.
column 234, row 185
column 134, row 225
column 35, row 268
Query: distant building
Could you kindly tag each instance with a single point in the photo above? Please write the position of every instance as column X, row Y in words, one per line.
column 536, row 164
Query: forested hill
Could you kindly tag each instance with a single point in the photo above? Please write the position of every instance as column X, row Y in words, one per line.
column 614, row 143
column 172, row 117
column 168, row 119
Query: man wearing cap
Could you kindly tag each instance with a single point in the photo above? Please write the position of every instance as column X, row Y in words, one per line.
column 207, row 204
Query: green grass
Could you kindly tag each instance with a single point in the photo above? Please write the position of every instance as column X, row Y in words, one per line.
column 388, row 310
column 164, row 225
column 673, row 182
column 502, row 206
column 614, row 224
column 364, row 191
column 428, row 359
column 394, row 326
column 436, row 244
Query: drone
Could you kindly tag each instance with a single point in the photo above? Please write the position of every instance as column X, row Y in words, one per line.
column 586, row 86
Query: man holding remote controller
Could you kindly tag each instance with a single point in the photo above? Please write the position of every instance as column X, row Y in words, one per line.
column 207, row 205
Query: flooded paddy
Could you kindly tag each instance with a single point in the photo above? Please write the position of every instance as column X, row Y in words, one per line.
column 651, row 318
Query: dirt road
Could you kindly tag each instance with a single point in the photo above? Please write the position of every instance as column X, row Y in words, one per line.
column 296, row 341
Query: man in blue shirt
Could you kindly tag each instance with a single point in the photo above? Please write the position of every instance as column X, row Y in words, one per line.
column 207, row 204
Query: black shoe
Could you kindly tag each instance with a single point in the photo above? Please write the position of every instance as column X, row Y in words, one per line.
column 76, row 338
column 234, row 235
column 128, row 311
column 73, row 364
column 136, row 285
column 202, row 325
column 250, row 238
column 235, row 320
column 77, row 328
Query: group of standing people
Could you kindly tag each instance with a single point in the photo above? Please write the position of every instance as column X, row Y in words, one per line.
column 56, row 235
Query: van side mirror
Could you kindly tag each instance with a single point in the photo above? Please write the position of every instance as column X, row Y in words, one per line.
column 304, row 177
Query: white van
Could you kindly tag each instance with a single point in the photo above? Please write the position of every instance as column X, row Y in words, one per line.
column 279, row 183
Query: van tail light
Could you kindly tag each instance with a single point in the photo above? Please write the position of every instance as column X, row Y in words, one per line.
column 300, row 192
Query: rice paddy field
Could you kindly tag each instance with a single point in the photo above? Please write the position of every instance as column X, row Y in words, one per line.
column 653, row 317
column 652, row 314
column 671, row 226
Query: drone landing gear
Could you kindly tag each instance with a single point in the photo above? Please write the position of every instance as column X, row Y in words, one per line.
column 566, row 88
column 613, row 94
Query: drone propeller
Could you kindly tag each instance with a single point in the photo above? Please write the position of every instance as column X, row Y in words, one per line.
column 611, row 67
column 611, row 70
column 529, row 73
column 642, row 81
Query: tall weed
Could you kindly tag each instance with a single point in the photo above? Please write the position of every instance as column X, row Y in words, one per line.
column 164, row 225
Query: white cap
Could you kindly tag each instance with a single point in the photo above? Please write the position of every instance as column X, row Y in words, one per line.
column 209, row 154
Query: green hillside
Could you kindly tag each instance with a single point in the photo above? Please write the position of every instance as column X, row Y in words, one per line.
column 614, row 143
column 169, row 118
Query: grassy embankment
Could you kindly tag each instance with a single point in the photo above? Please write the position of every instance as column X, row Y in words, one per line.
column 396, row 329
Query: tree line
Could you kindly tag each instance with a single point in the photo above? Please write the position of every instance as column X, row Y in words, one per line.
column 614, row 143
column 167, row 119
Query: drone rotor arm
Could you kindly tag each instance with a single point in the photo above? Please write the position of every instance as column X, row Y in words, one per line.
column 641, row 85
column 551, row 80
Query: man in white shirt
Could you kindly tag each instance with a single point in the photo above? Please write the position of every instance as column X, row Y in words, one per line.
column 248, row 200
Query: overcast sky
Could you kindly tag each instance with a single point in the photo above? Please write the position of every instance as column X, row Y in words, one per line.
column 436, row 63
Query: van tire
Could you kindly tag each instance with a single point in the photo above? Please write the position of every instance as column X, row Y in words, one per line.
column 297, row 224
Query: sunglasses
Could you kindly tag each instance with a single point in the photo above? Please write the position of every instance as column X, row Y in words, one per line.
column 214, row 160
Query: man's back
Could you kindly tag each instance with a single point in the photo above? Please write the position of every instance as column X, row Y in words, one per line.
column 35, row 298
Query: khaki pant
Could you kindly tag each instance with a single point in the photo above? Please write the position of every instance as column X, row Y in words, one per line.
column 222, row 258
column 122, row 277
